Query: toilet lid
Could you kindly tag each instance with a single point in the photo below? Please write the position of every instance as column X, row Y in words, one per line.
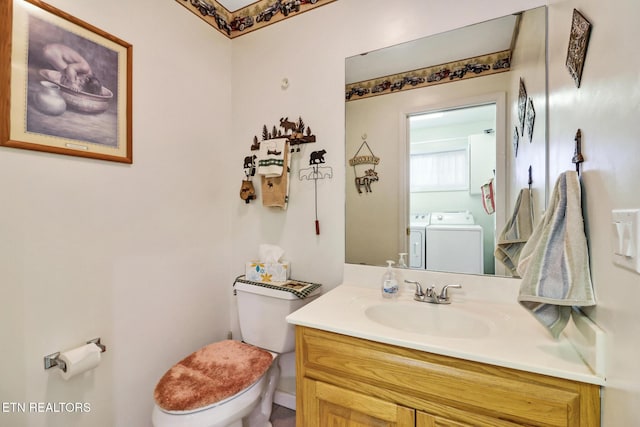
column 211, row 374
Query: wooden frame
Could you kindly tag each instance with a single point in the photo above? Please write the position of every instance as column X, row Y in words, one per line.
column 578, row 42
column 66, row 85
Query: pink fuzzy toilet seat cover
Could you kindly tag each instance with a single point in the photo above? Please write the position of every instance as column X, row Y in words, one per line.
column 211, row 374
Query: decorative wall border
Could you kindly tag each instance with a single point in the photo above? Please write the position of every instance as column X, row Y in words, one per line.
column 249, row 18
column 444, row 73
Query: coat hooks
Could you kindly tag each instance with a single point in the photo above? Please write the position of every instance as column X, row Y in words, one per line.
column 268, row 160
column 577, row 154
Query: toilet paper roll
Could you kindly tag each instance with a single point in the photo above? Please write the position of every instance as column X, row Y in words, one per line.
column 80, row 360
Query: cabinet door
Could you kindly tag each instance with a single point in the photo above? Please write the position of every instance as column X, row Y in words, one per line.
column 466, row 420
column 327, row 405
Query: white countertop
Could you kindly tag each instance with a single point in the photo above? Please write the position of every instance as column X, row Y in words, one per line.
column 514, row 338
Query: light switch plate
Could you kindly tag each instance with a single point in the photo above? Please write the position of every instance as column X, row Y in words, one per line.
column 626, row 236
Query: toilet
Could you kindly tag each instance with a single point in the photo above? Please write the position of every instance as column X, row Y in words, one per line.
column 231, row 383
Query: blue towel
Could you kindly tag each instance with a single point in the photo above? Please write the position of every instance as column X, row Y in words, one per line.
column 516, row 233
column 554, row 263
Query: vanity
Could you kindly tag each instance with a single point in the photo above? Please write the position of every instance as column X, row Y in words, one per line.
column 363, row 360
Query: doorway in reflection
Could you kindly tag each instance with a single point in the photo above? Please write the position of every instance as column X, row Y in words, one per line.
column 452, row 165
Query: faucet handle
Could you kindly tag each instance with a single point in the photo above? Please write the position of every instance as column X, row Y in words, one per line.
column 444, row 295
column 419, row 292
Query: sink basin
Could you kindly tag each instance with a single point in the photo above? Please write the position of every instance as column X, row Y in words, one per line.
column 429, row 319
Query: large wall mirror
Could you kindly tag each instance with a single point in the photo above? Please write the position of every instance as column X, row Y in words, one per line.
column 429, row 125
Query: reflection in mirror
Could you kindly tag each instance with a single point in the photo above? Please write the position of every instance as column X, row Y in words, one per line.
column 411, row 129
column 452, row 154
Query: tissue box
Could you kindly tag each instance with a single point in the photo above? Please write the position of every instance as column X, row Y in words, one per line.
column 267, row 271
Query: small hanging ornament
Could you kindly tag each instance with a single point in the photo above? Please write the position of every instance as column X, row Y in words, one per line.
column 247, row 191
column 365, row 175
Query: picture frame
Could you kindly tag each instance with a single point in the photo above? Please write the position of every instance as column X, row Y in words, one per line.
column 66, row 84
column 531, row 118
column 578, row 42
column 522, row 105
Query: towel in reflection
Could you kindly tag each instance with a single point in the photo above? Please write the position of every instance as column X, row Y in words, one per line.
column 516, row 232
column 554, row 263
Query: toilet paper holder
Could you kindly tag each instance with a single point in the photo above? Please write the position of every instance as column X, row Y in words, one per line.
column 54, row 358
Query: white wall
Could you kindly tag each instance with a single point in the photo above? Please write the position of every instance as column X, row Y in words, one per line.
column 145, row 249
column 605, row 108
column 128, row 253
column 313, row 61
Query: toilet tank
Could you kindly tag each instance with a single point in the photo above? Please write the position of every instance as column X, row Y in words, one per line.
column 262, row 313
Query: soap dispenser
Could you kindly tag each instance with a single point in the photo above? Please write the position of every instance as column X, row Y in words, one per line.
column 402, row 263
column 389, row 282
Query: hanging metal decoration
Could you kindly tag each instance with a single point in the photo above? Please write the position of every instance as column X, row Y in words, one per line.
column 272, row 162
column 315, row 172
column 364, row 165
column 247, row 191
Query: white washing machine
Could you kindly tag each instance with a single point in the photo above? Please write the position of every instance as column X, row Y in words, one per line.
column 417, row 240
column 454, row 243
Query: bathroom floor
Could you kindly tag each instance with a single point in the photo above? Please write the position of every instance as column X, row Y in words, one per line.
column 282, row 417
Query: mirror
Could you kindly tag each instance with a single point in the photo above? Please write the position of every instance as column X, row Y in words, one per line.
column 412, row 101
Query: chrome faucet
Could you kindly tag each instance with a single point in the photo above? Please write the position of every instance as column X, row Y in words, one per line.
column 430, row 294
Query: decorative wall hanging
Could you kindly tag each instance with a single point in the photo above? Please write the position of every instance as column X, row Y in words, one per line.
column 316, row 172
column 531, row 118
column 366, row 175
column 473, row 67
column 516, row 141
column 578, row 42
column 247, row 191
column 522, row 105
column 69, row 84
column 295, row 132
column 273, row 161
column 250, row 18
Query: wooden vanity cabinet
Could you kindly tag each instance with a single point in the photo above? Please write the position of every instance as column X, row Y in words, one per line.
column 350, row 382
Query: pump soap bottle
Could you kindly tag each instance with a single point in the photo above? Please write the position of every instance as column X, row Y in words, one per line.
column 389, row 282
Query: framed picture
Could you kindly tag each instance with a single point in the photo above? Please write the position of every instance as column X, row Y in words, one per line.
column 531, row 119
column 66, row 85
column 578, row 41
column 522, row 106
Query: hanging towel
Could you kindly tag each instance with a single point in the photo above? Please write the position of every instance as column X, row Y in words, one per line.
column 516, row 232
column 271, row 157
column 554, row 263
column 275, row 190
column 488, row 197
